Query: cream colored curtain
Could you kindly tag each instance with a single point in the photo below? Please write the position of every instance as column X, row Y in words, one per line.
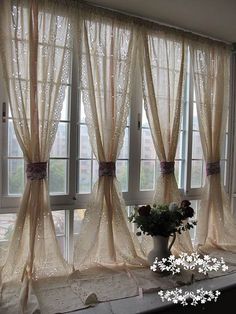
column 163, row 61
column 35, row 55
column 107, row 55
column 210, row 63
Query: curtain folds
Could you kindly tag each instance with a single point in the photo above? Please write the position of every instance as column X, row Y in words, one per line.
column 163, row 59
column 210, row 65
column 35, row 53
column 108, row 53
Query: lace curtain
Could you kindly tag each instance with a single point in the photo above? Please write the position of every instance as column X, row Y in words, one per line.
column 210, row 63
column 35, row 54
column 107, row 59
column 163, row 66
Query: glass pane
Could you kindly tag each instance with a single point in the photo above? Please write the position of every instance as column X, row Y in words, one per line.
column 84, row 176
column 178, row 166
column 144, row 119
column 148, row 150
column 78, row 218
column 196, row 174
column 196, row 146
column 147, row 174
column 15, row 176
column 122, row 174
column 59, row 221
column 58, row 176
column 95, row 171
column 124, row 153
column 65, row 111
column 82, row 113
column 14, row 149
column 62, row 244
column 60, row 147
column 195, row 118
column 7, row 222
column 179, row 146
column 84, row 145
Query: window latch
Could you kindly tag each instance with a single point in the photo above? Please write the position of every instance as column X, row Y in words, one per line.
column 4, row 112
column 139, row 121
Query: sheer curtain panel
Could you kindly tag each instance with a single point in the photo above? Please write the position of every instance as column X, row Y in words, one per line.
column 35, row 54
column 210, row 62
column 163, row 59
column 108, row 53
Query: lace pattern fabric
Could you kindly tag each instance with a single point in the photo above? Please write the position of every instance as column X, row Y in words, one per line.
column 216, row 225
column 35, row 57
column 108, row 52
column 161, row 55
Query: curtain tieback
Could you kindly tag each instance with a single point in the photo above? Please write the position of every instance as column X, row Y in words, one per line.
column 107, row 169
column 167, row 167
column 36, row 171
column 212, row 168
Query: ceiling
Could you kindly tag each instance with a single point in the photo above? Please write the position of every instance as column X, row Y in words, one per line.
column 212, row 18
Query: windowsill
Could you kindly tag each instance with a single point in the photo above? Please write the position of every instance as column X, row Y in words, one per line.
column 152, row 302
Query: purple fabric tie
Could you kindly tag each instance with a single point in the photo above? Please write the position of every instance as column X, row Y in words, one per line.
column 107, row 169
column 167, row 167
column 36, row 171
column 212, row 168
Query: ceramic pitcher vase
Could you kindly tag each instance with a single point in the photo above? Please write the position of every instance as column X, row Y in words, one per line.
column 161, row 249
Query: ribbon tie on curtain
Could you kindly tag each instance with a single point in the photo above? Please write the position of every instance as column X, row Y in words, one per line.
column 36, row 171
column 107, row 169
column 167, row 167
column 212, row 168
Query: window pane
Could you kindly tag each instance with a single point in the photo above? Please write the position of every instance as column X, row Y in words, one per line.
column 192, row 231
column 122, row 174
column 178, row 165
column 179, row 149
column 58, row 176
column 59, row 223
column 15, row 176
column 14, row 149
column 197, row 146
column 95, row 171
column 78, row 218
column 82, row 113
column 148, row 150
column 195, row 118
column 144, row 119
column 7, row 222
column 59, row 148
column 124, row 153
column 84, row 176
column 85, row 147
column 147, row 174
column 197, row 172
column 64, row 112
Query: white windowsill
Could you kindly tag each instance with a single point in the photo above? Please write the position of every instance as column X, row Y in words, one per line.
column 151, row 301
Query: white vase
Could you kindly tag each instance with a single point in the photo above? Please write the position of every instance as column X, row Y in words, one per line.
column 160, row 249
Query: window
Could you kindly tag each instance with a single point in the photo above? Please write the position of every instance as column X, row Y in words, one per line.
column 73, row 168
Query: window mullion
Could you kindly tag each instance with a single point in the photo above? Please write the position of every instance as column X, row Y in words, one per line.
column 135, row 136
column 188, row 128
column 73, row 129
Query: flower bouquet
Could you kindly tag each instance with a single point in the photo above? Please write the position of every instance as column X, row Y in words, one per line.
column 163, row 219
